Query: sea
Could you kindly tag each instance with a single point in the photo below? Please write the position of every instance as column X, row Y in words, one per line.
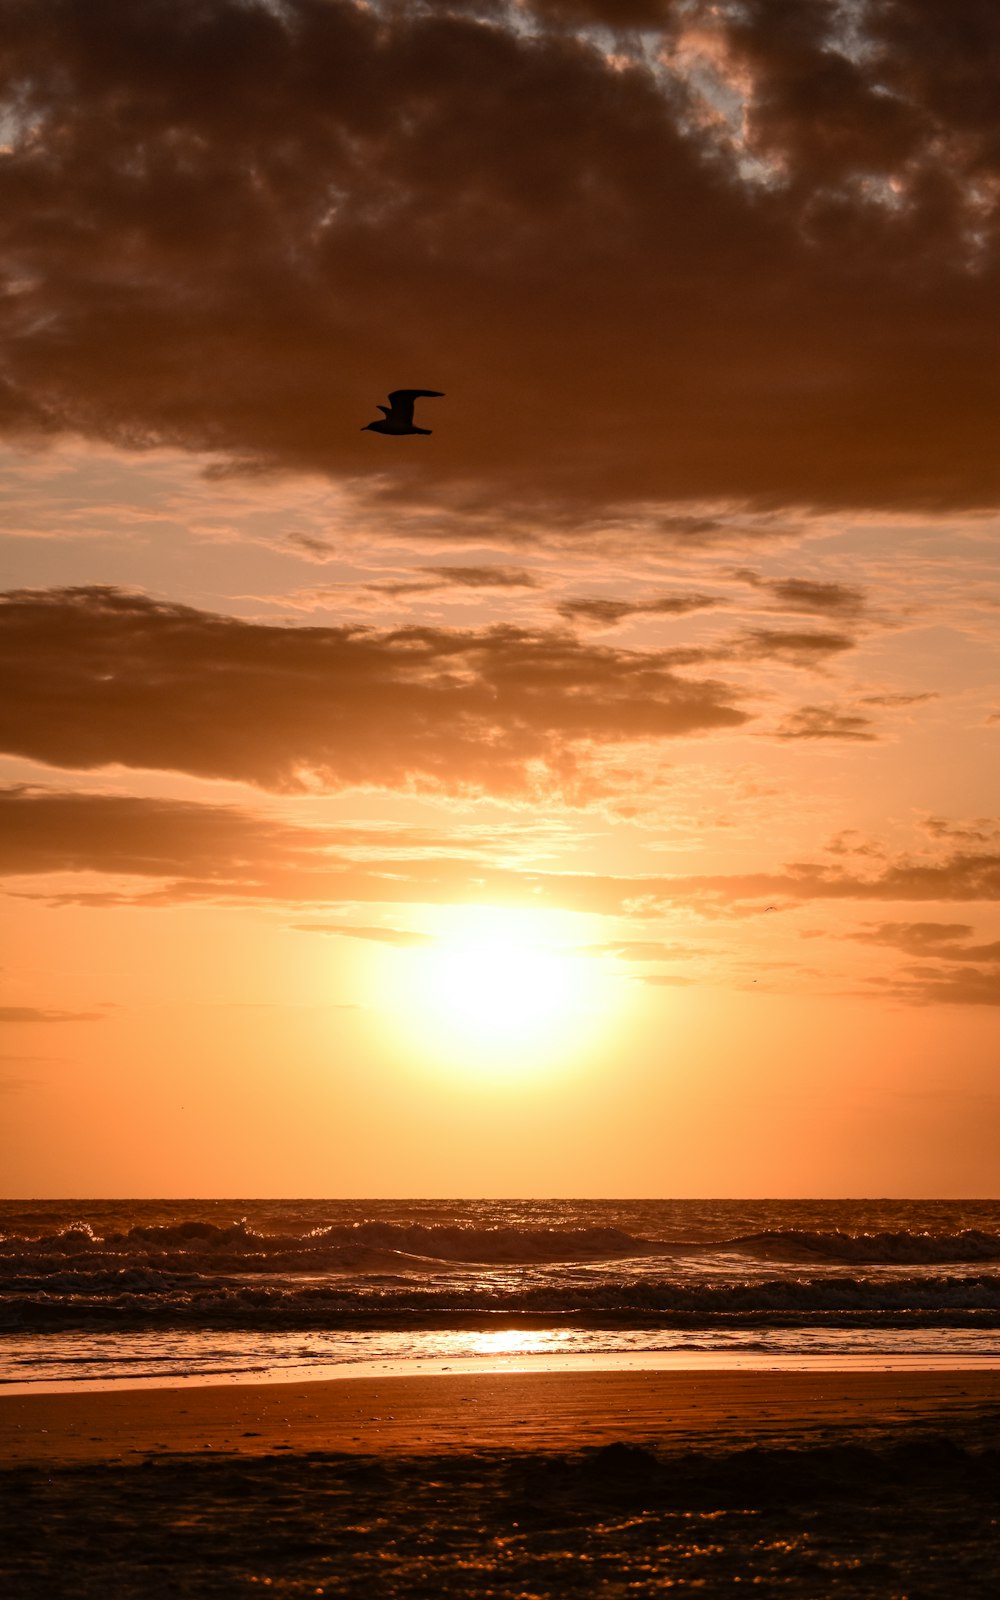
column 106, row 1293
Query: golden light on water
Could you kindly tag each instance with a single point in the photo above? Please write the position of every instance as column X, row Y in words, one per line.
column 521, row 1342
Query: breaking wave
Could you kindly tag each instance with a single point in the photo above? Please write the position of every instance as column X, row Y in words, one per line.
column 904, row 1247
column 135, row 1298
column 350, row 1247
column 380, row 1246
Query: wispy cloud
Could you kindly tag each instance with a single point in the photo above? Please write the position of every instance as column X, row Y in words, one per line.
column 19, row 1014
column 403, row 938
column 826, row 722
column 795, row 647
column 192, row 851
column 607, row 613
column 809, row 595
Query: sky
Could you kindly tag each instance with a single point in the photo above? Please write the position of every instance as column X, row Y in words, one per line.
column 597, row 796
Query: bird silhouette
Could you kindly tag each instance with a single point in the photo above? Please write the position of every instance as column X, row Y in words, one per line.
column 397, row 416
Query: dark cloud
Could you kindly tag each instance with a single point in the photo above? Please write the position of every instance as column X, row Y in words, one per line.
column 930, row 938
column 98, row 676
column 825, row 722
column 451, row 577
column 745, row 260
column 607, row 613
column 497, row 577
column 12, row 1014
column 849, row 842
column 57, row 831
column 990, row 951
column 188, row 851
column 796, row 648
column 959, row 876
column 977, row 831
column 310, row 546
column 896, row 701
column 957, row 986
column 807, row 594
column 951, row 971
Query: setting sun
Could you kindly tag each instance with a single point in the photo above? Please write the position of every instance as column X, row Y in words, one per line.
column 506, row 984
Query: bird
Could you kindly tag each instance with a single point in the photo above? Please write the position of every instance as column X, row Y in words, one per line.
column 397, row 416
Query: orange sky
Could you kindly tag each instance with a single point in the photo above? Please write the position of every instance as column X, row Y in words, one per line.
column 598, row 797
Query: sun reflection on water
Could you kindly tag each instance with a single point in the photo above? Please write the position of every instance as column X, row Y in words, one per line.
column 521, row 1342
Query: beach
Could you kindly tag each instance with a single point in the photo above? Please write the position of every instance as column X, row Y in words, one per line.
column 510, row 1399
column 498, row 1411
column 509, row 1483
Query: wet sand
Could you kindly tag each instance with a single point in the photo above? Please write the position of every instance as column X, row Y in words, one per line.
column 508, row 1484
column 555, row 1411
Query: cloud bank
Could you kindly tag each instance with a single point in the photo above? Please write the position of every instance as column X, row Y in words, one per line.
column 228, row 853
column 651, row 252
column 99, row 676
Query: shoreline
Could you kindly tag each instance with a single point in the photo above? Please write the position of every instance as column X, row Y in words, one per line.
column 552, row 1412
column 516, row 1361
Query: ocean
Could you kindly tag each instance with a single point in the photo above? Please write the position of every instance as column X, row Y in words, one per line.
column 156, row 1291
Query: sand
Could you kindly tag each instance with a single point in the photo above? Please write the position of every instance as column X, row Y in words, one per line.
column 508, row 1485
column 556, row 1411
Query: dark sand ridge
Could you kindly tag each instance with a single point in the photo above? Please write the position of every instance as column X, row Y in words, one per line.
column 554, row 1412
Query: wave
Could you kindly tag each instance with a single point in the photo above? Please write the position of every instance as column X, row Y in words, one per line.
column 353, row 1247
column 137, row 1298
column 378, row 1246
column 903, row 1247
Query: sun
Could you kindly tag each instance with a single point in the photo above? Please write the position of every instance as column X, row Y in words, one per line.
column 492, row 975
column 503, row 986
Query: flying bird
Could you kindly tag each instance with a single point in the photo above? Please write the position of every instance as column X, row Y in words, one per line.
column 397, row 416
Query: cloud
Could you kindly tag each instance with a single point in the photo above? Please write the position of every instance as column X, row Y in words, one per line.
column 800, row 648
column 958, row 986
column 456, row 577
column 825, row 722
column 404, row 938
column 732, row 256
column 18, row 1014
column 182, row 851
column 917, row 937
column 194, row 851
column 943, row 939
column 807, row 594
column 961, row 974
column 896, row 701
column 495, row 577
column 977, row 831
column 642, row 950
column 606, row 613
column 98, row 676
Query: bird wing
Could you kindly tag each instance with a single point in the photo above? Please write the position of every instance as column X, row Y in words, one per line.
column 401, row 400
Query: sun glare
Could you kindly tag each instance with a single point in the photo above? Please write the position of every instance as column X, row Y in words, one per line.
column 505, row 987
